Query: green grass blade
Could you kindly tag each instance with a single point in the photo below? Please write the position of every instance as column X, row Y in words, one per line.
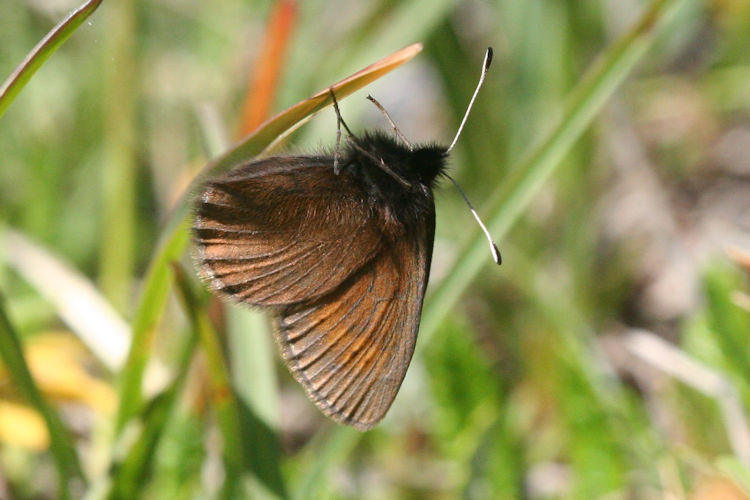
column 152, row 302
column 331, row 449
column 252, row 358
column 43, row 50
column 226, row 408
column 729, row 322
column 224, row 402
column 129, row 477
column 65, row 457
column 175, row 236
column 119, row 166
column 514, row 195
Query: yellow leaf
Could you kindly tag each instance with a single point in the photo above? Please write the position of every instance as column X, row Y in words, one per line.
column 23, row 427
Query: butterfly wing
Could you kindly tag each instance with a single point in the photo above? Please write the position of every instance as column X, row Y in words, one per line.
column 282, row 230
column 288, row 233
column 350, row 349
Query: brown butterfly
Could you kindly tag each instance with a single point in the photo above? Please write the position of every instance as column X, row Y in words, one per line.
column 338, row 249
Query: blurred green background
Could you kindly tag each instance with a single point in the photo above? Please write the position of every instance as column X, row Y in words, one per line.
column 606, row 358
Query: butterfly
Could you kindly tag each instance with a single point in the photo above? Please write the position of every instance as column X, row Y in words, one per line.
column 338, row 249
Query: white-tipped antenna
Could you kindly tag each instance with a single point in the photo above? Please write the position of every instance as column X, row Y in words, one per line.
column 493, row 248
column 485, row 67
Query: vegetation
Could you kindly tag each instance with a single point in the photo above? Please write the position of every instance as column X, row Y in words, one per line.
column 608, row 152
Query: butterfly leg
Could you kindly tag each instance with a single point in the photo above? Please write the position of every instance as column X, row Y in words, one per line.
column 339, row 122
column 336, row 168
column 390, row 120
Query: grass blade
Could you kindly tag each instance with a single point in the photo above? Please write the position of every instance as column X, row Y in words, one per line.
column 261, row 89
column 280, row 124
column 331, row 449
column 43, row 50
column 514, row 196
column 119, row 167
column 224, row 400
column 147, row 315
column 65, row 457
column 252, row 358
column 129, row 477
column 73, row 296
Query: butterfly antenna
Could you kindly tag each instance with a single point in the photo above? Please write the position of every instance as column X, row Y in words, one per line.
column 390, row 120
column 493, row 248
column 485, row 67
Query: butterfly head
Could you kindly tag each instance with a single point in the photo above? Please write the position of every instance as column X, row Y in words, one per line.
column 428, row 162
column 383, row 156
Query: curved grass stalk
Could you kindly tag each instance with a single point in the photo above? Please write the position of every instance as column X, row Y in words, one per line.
column 512, row 197
column 43, row 50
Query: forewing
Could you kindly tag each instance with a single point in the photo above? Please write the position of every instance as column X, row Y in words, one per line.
column 282, row 230
column 350, row 349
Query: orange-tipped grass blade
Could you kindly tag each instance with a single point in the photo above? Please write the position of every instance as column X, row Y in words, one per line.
column 262, row 87
column 286, row 121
